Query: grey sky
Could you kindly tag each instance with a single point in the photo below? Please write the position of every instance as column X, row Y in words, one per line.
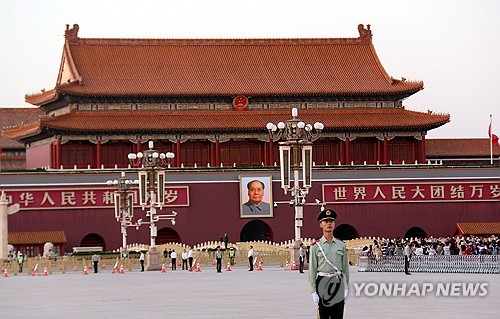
column 451, row 45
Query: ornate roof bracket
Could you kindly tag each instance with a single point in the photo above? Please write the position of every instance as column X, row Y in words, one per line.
column 380, row 136
column 352, row 136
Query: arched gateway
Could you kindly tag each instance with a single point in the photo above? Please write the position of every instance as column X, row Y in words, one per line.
column 345, row 232
column 256, row 230
column 167, row 235
column 93, row 240
column 415, row 232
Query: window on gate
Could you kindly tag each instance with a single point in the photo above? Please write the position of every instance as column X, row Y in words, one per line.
column 400, row 150
column 77, row 153
column 363, row 149
column 115, row 152
column 241, row 153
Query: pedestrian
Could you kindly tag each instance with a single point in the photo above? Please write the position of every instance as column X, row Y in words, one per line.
column 407, row 253
column 190, row 259
column 218, row 258
column 184, row 257
column 328, row 269
column 141, row 259
column 250, row 258
column 302, row 255
column 95, row 260
column 173, row 256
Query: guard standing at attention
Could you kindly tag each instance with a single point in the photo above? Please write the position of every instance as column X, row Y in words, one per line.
column 218, row 258
column 302, row 256
column 329, row 269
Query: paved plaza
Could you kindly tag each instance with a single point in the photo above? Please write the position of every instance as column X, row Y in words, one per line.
column 271, row 293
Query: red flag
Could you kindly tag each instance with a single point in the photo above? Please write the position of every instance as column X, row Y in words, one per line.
column 494, row 138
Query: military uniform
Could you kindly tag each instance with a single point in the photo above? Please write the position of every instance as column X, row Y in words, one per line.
column 407, row 253
column 328, row 281
column 302, row 256
column 218, row 258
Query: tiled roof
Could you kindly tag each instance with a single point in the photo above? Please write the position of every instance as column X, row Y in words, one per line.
column 12, row 117
column 190, row 121
column 180, row 67
column 491, row 228
column 37, row 237
column 459, row 147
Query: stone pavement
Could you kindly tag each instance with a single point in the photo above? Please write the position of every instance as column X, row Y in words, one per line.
column 272, row 293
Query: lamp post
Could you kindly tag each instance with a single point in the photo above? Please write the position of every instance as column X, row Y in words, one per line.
column 151, row 164
column 296, row 139
column 124, row 205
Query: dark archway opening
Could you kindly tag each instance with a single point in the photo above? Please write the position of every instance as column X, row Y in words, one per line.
column 415, row 232
column 345, row 232
column 256, row 230
column 167, row 235
column 93, row 240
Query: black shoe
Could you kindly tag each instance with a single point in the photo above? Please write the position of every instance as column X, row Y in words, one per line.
column 407, row 273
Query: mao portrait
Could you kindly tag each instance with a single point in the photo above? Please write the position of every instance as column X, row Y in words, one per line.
column 255, row 196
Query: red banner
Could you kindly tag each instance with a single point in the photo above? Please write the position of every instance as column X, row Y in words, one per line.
column 410, row 192
column 57, row 198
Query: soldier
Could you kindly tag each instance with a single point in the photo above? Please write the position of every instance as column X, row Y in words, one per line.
column 407, row 253
column 232, row 254
column 218, row 258
column 20, row 260
column 329, row 269
column 302, row 255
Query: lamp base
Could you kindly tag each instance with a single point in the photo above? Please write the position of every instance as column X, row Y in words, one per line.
column 153, row 260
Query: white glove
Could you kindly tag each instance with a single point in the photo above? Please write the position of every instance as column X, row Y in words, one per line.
column 315, row 298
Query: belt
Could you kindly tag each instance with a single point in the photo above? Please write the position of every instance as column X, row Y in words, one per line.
column 330, row 274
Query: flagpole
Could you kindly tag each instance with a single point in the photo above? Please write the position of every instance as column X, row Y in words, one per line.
column 491, row 140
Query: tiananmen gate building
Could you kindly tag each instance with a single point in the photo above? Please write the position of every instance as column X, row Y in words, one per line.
column 208, row 101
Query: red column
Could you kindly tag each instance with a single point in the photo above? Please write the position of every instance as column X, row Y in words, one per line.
column 346, row 152
column 217, row 152
column 178, row 153
column 270, row 157
column 58, row 153
column 385, row 149
column 423, row 155
column 98, row 154
column 137, row 145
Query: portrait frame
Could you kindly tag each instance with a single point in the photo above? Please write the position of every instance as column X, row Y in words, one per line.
column 267, row 199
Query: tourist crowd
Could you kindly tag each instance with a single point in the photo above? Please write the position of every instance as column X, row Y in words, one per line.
column 471, row 245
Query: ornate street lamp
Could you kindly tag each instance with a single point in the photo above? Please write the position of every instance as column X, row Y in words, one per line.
column 296, row 139
column 150, row 165
column 124, row 205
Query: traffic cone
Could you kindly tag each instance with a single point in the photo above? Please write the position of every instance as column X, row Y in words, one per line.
column 228, row 268
column 294, row 266
column 122, row 271
column 35, row 271
column 115, row 268
column 286, row 265
column 45, row 272
column 163, row 269
column 198, row 268
column 85, row 270
column 5, row 273
column 260, row 266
